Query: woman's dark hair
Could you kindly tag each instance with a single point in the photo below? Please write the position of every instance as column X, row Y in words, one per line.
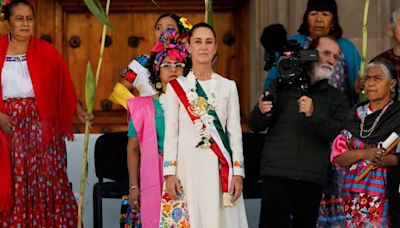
column 201, row 25
column 10, row 7
column 175, row 17
column 322, row 5
column 388, row 68
column 154, row 75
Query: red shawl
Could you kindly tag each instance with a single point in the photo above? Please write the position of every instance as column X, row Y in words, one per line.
column 55, row 97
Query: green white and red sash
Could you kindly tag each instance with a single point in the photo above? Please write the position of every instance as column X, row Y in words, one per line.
column 219, row 140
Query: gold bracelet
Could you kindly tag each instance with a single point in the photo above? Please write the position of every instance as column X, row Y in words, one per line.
column 131, row 188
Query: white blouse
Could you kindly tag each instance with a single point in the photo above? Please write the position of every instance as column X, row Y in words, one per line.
column 15, row 79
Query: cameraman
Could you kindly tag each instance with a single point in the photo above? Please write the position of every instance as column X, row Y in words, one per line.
column 295, row 157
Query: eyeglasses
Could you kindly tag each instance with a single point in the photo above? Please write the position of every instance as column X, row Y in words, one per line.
column 169, row 66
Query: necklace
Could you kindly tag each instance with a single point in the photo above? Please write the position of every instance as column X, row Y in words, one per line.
column 368, row 132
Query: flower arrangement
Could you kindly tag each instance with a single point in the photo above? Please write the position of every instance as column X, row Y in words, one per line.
column 200, row 108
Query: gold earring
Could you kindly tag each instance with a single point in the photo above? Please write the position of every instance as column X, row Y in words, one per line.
column 158, row 85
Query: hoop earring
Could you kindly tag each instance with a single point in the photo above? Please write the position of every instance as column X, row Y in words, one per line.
column 392, row 93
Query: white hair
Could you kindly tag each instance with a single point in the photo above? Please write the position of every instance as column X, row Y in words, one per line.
column 320, row 71
column 393, row 18
column 384, row 68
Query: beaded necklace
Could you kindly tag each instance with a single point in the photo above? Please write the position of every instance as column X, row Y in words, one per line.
column 369, row 131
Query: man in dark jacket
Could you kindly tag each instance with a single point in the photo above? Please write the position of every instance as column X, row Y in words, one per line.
column 295, row 157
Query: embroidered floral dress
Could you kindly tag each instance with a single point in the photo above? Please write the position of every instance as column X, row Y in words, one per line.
column 43, row 196
column 365, row 203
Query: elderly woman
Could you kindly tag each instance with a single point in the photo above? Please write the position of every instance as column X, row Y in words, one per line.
column 146, row 129
column 370, row 202
column 37, row 105
column 321, row 19
column 203, row 152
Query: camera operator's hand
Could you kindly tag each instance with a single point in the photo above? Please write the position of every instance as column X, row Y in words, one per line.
column 306, row 106
column 264, row 106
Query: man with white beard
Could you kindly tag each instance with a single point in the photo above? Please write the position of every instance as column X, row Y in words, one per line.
column 295, row 157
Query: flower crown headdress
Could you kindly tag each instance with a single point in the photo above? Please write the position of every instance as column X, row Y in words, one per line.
column 169, row 45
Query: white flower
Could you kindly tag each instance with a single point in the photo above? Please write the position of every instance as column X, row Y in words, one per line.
column 212, row 101
column 161, row 99
column 198, row 124
column 205, row 122
column 192, row 97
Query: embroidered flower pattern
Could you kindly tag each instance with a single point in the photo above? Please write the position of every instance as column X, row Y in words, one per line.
column 238, row 164
column 142, row 59
column 174, row 213
column 364, row 211
column 169, row 163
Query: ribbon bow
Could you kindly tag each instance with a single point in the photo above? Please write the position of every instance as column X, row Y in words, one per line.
column 169, row 45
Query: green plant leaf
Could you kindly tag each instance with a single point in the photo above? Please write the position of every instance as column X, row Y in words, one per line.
column 90, row 89
column 209, row 12
column 95, row 7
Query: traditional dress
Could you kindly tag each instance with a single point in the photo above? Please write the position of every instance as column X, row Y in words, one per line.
column 38, row 94
column 370, row 201
column 148, row 126
column 197, row 168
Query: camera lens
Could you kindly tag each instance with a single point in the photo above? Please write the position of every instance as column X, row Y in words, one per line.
column 287, row 66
